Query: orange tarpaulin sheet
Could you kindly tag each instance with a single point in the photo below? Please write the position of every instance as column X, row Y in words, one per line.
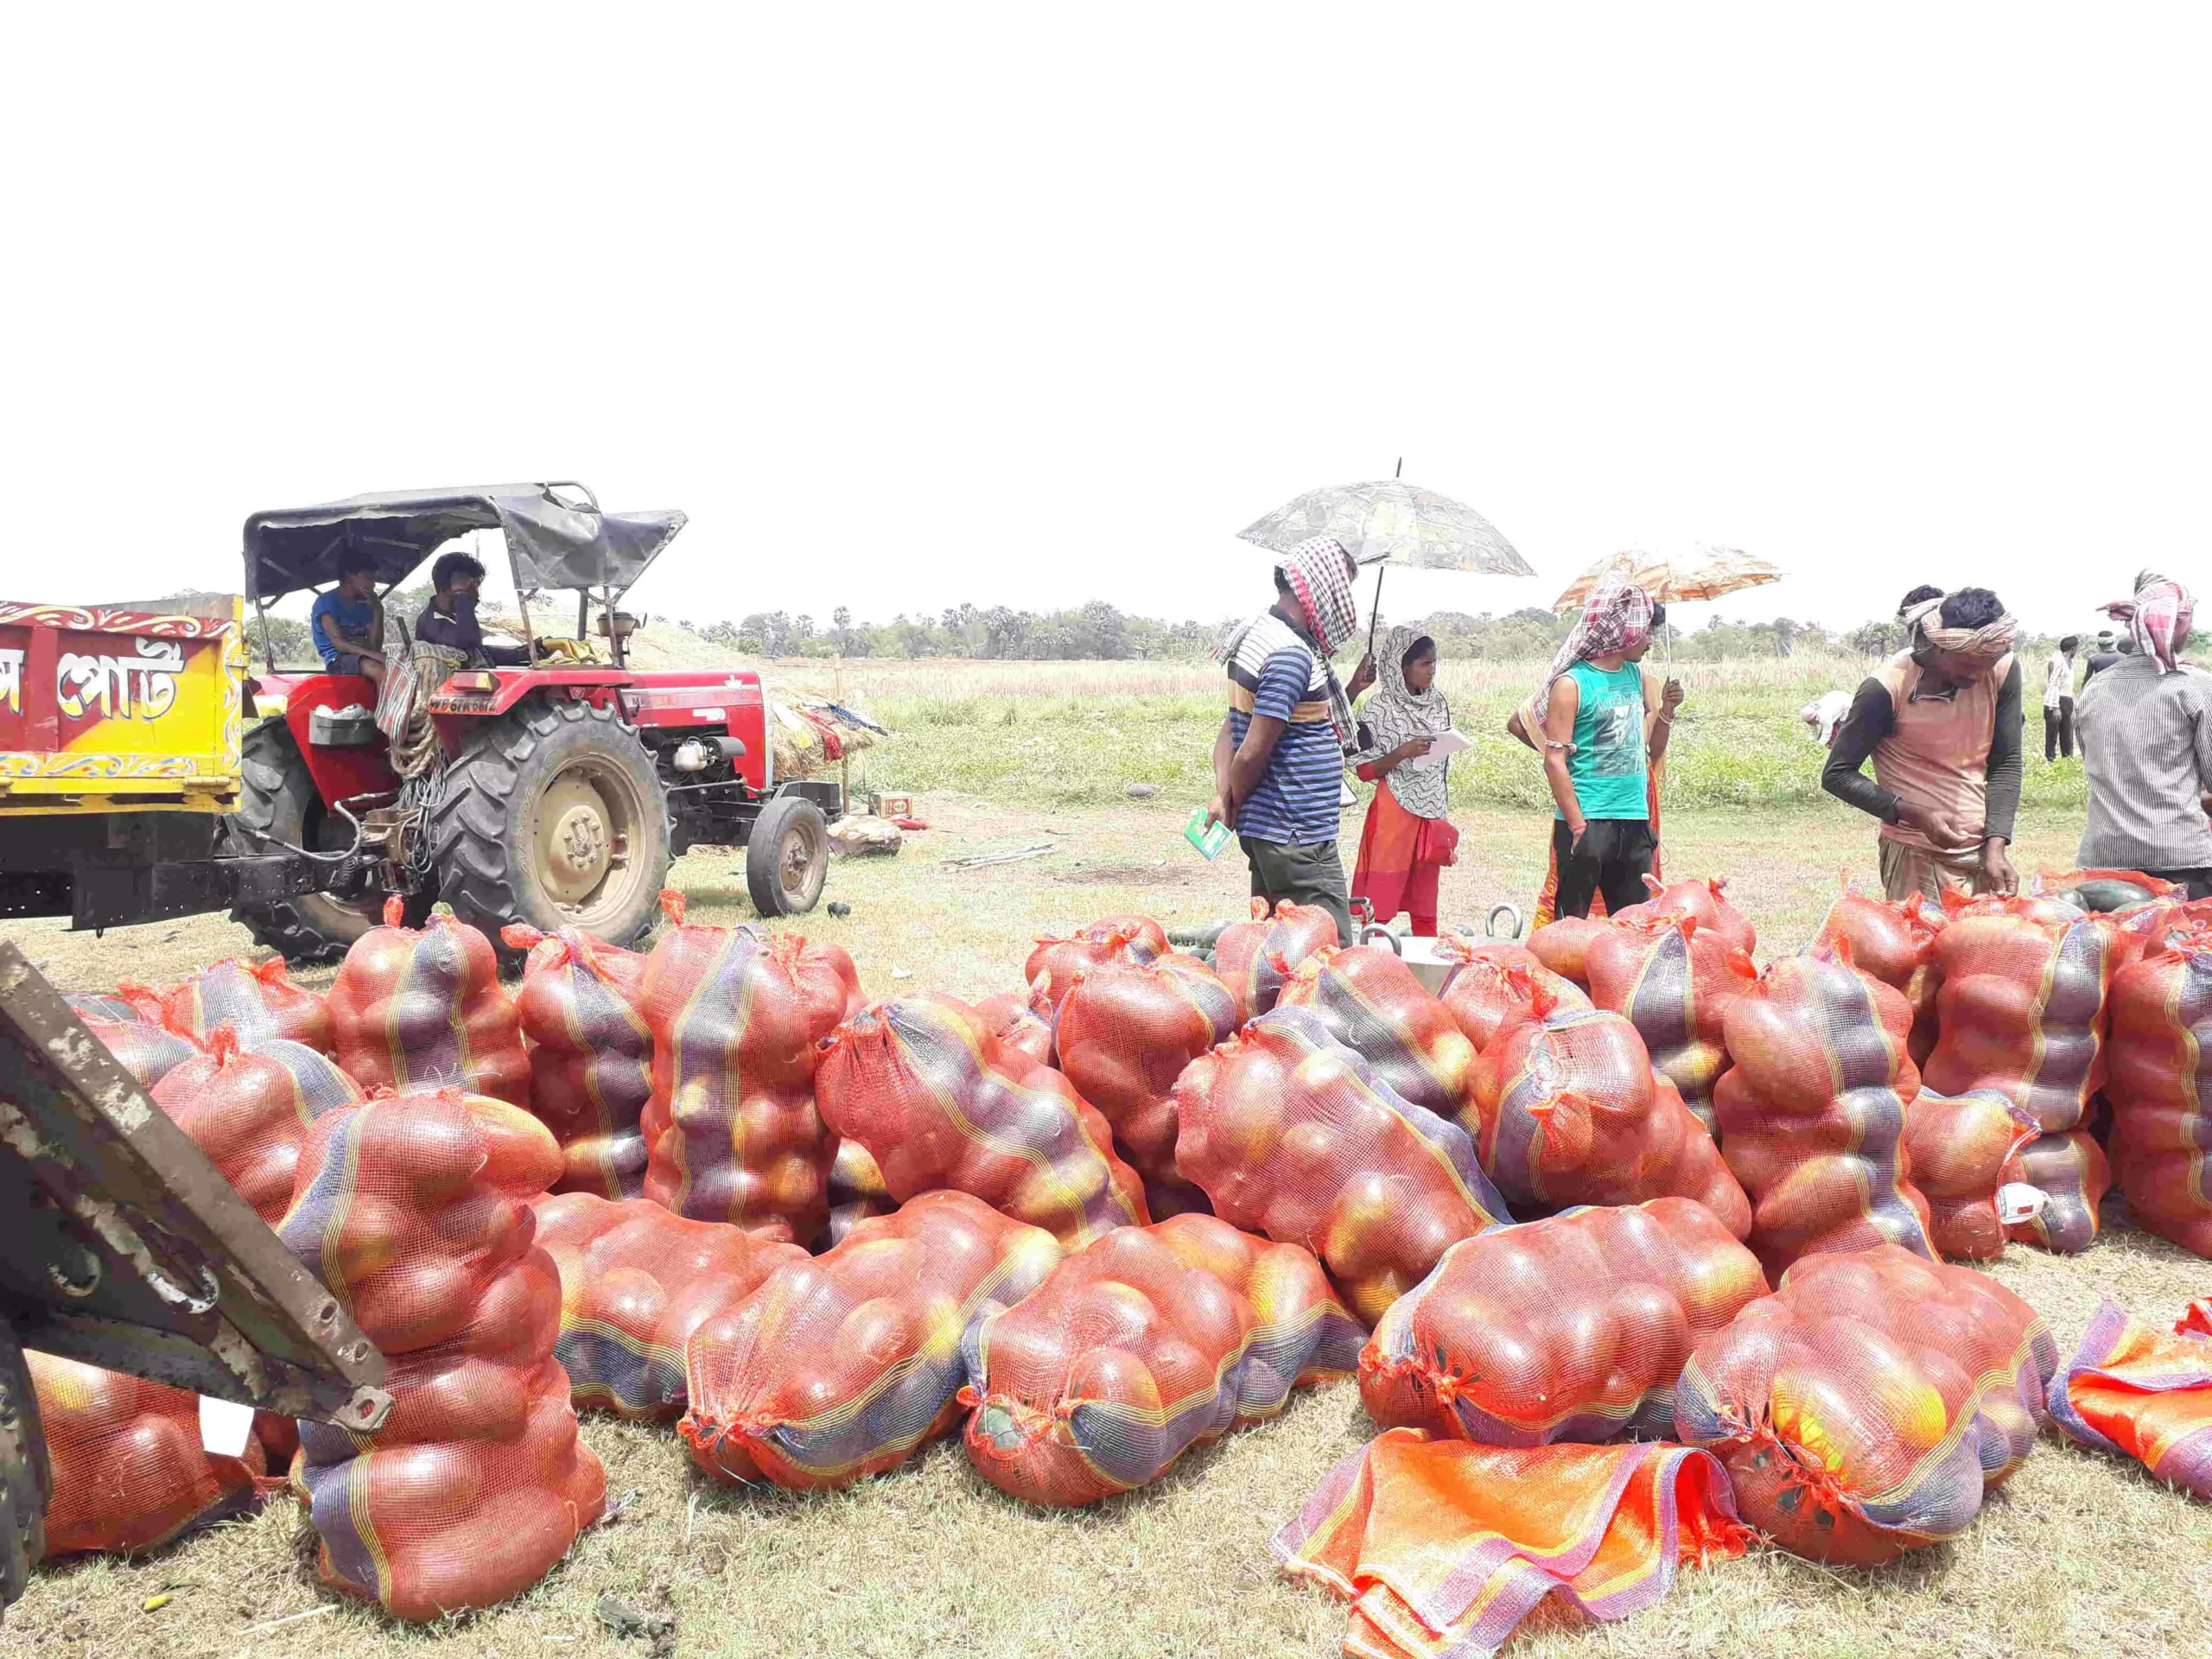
column 1443, row 1547
column 2136, row 1390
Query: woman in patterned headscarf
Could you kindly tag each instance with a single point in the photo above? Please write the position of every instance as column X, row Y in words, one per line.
column 2146, row 746
column 1408, row 836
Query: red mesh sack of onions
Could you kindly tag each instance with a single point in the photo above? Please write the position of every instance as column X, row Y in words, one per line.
column 1675, row 980
column 1111, row 941
column 424, row 1009
column 1813, row 1112
column 837, row 1366
column 920, row 1085
column 255, row 1000
column 1372, row 1004
column 1145, row 1342
column 2161, row 1012
column 1497, row 984
column 415, row 1210
column 1293, row 1136
column 1704, row 900
column 129, row 1470
column 250, row 1110
column 1571, row 1328
column 1126, row 1032
column 582, row 1006
column 2020, row 1011
column 1254, row 958
column 732, row 1130
column 636, row 1280
column 1866, row 1407
column 1568, row 1110
column 1895, row 941
column 129, row 1026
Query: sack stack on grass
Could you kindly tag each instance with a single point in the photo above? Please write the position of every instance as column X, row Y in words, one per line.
column 1494, row 985
column 1812, row 1111
column 1864, row 1409
column 129, row 1470
column 1371, row 1003
column 1962, row 1150
column 1572, row 1328
column 732, row 1130
column 920, row 1085
column 1126, row 1032
column 2161, row 1012
column 1293, row 1136
column 2020, row 1011
column 836, row 1367
column 1704, row 900
column 1144, row 1343
column 1894, row 941
column 1568, row 1110
column 582, row 1007
column 415, row 1210
column 129, row 1026
column 1253, row 958
column 1673, row 979
column 250, row 1110
column 1111, row 941
column 635, row 1282
column 255, row 1000
column 415, row 1011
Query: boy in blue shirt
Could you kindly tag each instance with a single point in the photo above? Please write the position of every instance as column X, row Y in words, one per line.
column 348, row 623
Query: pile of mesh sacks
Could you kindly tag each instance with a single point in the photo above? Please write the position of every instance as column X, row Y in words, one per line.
column 1633, row 1246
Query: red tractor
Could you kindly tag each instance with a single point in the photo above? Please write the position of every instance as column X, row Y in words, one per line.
column 554, row 793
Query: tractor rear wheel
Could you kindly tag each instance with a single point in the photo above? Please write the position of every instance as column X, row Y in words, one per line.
column 788, row 856
column 553, row 815
column 280, row 802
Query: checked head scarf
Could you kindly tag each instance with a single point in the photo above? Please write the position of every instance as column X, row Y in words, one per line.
column 1319, row 573
column 1616, row 617
column 1924, row 626
column 2159, row 616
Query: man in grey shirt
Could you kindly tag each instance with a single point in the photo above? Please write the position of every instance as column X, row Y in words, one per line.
column 2146, row 742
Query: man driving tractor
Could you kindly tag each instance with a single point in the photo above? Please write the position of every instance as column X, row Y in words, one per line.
column 451, row 617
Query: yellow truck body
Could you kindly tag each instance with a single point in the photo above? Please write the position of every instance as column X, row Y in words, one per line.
column 121, row 709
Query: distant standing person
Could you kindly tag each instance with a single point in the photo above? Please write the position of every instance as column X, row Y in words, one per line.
column 2147, row 746
column 2058, row 700
column 2102, row 659
column 1279, row 757
column 1941, row 722
column 1601, row 738
column 348, row 623
column 1408, row 836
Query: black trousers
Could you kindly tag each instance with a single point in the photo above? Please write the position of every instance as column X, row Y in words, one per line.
column 1307, row 872
column 1613, row 859
column 2058, row 730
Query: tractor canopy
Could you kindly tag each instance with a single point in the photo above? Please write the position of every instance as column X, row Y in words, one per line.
column 552, row 541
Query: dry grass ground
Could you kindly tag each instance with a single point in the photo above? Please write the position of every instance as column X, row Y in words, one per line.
column 2080, row 1554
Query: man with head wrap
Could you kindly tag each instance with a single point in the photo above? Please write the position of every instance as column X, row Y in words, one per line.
column 1602, row 733
column 1941, row 722
column 2146, row 746
column 1279, row 757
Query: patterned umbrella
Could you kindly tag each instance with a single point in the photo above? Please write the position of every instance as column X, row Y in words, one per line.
column 1392, row 522
column 1701, row 573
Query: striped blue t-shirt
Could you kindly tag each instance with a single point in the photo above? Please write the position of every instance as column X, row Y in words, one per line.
column 1273, row 671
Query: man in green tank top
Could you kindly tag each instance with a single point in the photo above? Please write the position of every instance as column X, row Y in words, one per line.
column 1602, row 734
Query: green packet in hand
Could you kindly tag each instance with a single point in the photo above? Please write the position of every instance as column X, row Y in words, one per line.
column 1208, row 838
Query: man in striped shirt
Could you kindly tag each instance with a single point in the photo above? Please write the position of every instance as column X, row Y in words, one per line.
column 1278, row 759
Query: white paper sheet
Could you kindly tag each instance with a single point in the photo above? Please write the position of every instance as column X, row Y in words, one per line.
column 1449, row 744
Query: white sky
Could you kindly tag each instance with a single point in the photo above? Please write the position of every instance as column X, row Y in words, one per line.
column 913, row 305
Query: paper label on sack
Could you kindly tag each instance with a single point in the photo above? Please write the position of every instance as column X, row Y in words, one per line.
column 2018, row 1202
column 224, row 1426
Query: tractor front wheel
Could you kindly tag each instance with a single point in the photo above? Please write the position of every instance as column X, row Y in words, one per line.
column 788, row 856
column 553, row 815
column 280, row 808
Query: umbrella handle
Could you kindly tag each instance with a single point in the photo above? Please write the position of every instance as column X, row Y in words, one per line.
column 1374, row 611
